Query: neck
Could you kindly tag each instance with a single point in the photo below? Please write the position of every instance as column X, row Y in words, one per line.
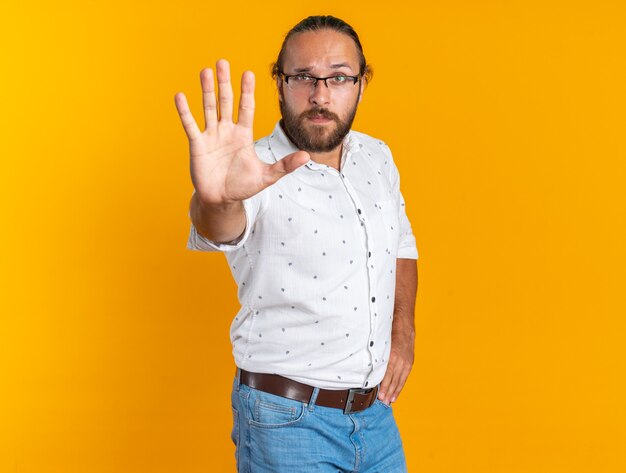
column 330, row 158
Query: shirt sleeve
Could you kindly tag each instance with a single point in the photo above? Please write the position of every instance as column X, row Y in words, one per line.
column 407, row 247
column 198, row 242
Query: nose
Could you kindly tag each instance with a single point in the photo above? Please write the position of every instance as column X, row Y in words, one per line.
column 320, row 94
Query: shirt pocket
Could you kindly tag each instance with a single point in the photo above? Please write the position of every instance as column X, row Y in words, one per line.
column 390, row 224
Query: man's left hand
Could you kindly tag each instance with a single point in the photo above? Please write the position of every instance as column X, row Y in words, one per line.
column 402, row 332
column 400, row 364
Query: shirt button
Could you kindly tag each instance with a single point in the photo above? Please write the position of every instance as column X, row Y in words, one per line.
column 369, row 253
column 367, row 383
column 359, row 210
column 372, row 344
column 373, row 299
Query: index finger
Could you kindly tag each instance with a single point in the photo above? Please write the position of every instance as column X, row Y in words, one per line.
column 383, row 389
column 246, row 102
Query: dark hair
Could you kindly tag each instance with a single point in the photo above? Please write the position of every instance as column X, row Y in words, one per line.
column 321, row 22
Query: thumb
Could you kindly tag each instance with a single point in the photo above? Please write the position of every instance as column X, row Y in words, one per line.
column 288, row 164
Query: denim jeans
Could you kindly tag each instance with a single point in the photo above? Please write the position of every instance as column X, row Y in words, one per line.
column 278, row 435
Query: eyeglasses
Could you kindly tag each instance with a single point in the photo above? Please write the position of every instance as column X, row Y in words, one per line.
column 306, row 82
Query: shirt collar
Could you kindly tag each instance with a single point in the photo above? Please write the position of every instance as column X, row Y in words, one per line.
column 281, row 146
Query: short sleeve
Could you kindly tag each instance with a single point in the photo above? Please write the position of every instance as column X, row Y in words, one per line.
column 407, row 247
column 198, row 242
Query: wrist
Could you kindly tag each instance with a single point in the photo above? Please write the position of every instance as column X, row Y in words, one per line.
column 206, row 205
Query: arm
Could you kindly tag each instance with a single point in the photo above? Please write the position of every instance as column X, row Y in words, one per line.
column 218, row 223
column 402, row 332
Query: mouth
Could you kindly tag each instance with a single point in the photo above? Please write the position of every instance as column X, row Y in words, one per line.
column 319, row 119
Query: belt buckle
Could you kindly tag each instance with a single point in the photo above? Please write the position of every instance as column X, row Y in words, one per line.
column 350, row 400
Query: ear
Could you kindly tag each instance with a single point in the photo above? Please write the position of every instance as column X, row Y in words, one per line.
column 279, row 87
column 362, row 85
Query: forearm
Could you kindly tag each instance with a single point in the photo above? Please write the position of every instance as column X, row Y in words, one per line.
column 402, row 350
column 221, row 224
column 403, row 326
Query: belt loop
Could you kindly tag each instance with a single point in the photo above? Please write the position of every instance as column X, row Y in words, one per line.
column 313, row 399
column 238, row 378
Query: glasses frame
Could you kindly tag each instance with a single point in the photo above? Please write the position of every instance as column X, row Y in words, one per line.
column 356, row 79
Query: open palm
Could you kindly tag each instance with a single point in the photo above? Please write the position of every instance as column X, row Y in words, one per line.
column 223, row 163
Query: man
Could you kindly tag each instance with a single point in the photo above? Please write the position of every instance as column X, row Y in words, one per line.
column 313, row 225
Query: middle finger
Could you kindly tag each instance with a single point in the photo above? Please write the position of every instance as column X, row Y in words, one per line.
column 225, row 90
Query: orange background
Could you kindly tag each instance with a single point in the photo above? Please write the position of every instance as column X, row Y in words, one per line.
column 507, row 122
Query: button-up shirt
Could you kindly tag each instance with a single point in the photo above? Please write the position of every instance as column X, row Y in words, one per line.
column 316, row 266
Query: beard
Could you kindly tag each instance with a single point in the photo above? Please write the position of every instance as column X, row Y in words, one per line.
column 311, row 137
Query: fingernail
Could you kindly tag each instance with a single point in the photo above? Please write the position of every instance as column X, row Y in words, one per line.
column 393, row 399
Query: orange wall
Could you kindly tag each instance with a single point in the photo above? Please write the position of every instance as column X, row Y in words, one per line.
column 506, row 120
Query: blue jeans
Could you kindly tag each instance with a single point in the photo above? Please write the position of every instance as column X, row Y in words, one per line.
column 278, row 435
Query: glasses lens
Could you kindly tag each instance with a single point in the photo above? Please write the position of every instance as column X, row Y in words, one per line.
column 300, row 82
column 339, row 81
column 305, row 82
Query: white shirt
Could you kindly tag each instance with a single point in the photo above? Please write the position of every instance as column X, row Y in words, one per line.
column 315, row 267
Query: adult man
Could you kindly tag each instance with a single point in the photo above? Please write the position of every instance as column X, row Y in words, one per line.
column 312, row 222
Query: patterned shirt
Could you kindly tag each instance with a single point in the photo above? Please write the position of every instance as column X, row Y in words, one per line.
column 315, row 266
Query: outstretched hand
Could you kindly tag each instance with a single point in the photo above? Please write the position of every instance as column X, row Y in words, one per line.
column 223, row 163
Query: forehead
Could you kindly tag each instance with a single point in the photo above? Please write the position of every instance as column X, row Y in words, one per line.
column 320, row 50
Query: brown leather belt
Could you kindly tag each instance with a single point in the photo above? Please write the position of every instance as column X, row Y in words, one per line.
column 349, row 400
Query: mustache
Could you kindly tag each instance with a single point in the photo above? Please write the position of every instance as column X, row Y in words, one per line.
column 319, row 112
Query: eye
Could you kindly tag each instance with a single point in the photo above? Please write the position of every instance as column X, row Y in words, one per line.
column 339, row 79
column 302, row 78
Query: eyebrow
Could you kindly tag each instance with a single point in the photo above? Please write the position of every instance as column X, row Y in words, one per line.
column 337, row 66
column 332, row 66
